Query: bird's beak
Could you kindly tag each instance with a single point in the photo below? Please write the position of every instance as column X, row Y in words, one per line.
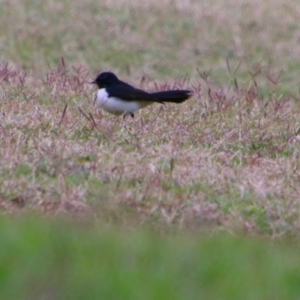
column 93, row 82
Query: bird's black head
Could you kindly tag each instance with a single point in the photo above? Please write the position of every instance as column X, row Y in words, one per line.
column 105, row 79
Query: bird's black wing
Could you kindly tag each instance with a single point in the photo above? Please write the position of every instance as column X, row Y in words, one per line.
column 128, row 93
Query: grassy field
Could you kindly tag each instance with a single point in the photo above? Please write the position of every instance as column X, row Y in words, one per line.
column 57, row 260
column 226, row 162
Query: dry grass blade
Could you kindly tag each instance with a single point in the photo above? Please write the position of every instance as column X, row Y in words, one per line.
column 63, row 114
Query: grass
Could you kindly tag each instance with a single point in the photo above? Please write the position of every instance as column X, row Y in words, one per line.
column 59, row 260
column 227, row 158
column 155, row 40
column 225, row 162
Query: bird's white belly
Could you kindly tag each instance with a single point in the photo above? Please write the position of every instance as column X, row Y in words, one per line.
column 117, row 106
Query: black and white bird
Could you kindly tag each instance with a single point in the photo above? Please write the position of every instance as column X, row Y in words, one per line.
column 120, row 98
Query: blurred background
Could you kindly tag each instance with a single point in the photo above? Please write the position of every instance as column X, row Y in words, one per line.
column 157, row 39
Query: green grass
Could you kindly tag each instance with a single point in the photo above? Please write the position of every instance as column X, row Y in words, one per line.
column 156, row 39
column 59, row 260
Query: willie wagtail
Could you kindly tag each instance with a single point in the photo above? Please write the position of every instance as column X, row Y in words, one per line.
column 119, row 98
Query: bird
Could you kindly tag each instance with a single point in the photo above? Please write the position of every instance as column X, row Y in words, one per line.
column 119, row 98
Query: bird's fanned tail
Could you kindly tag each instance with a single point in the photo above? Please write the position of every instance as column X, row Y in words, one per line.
column 175, row 96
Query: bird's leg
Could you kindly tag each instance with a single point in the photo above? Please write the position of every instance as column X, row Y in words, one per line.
column 126, row 113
